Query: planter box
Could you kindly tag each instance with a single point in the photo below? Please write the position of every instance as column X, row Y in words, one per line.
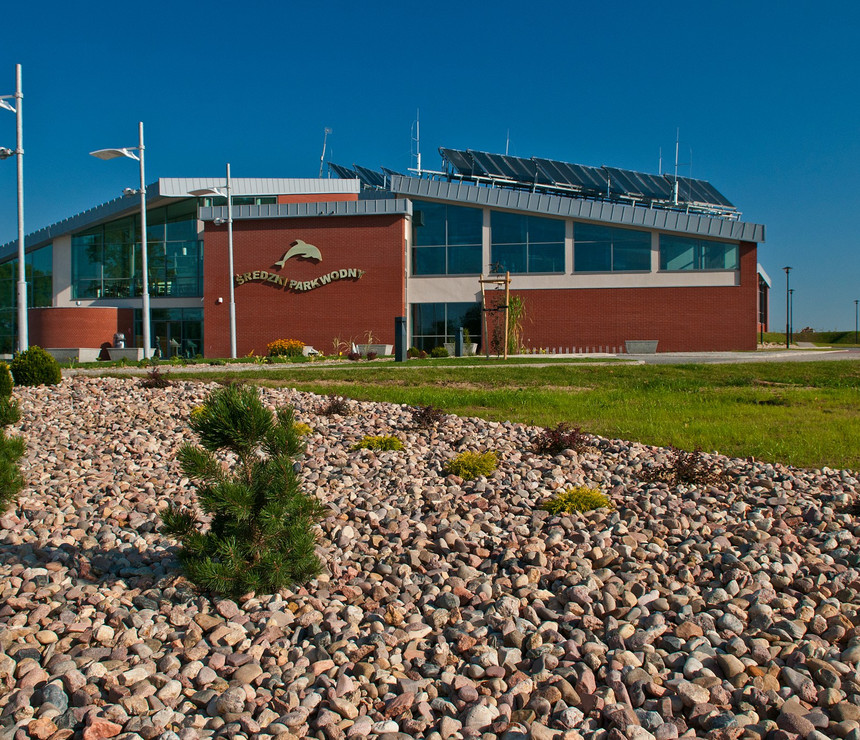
column 78, row 354
column 134, row 354
column 469, row 349
column 380, row 349
column 641, row 346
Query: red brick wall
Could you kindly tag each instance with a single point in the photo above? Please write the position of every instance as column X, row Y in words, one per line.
column 344, row 308
column 79, row 327
column 681, row 319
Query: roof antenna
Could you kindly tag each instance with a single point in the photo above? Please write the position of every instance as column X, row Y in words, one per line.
column 675, row 189
column 325, row 136
column 415, row 147
column 660, row 162
column 507, row 142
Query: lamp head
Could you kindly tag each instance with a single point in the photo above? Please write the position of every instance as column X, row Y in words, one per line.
column 130, row 191
column 7, row 105
column 5, row 152
column 208, row 192
column 114, row 153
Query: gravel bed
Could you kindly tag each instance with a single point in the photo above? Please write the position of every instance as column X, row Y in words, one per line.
column 449, row 608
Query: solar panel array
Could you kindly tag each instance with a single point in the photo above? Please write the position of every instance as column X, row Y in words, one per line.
column 369, row 178
column 602, row 182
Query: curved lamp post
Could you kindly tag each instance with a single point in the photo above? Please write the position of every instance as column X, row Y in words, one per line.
column 226, row 193
column 17, row 109
column 129, row 153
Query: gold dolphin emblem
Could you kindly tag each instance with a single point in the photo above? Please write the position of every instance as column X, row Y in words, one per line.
column 300, row 248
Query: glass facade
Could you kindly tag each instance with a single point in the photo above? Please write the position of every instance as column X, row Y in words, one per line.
column 522, row 244
column 446, row 240
column 606, row 249
column 38, row 268
column 106, row 260
column 175, row 331
column 685, row 253
column 433, row 324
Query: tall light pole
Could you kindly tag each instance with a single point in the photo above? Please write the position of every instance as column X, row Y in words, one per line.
column 129, row 153
column 227, row 192
column 791, row 314
column 856, row 319
column 18, row 110
column 787, row 309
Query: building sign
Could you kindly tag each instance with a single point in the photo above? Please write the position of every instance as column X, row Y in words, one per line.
column 300, row 250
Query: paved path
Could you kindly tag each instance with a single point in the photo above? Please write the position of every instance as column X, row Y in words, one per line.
column 661, row 358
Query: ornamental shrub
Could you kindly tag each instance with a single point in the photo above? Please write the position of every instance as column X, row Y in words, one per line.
column 302, row 429
column 439, row 352
column 5, row 381
column 579, row 499
column 413, row 352
column 469, row 465
column 11, row 450
column 685, row 467
column 35, row 367
column 285, row 348
column 379, row 442
column 261, row 537
column 555, row 440
column 427, row 416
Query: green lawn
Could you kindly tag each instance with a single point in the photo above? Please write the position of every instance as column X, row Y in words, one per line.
column 805, row 414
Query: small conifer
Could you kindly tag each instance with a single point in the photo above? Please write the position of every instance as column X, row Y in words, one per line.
column 11, row 450
column 261, row 537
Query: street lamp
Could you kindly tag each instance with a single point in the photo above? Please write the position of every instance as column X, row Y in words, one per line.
column 226, row 193
column 17, row 109
column 129, row 153
column 856, row 319
column 787, row 309
column 791, row 314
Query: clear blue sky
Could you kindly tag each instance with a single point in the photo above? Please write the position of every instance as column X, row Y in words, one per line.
column 764, row 94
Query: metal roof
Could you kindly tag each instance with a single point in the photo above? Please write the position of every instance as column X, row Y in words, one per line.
column 180, row 187
column 374, row 207
column 579, row 208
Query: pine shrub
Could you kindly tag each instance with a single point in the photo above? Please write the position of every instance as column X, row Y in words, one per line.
column 35, row 367
column 6, row 382
column 261, row 537
column 11, row 450
column 580, row 498
column 469, row 465
column 379, row 442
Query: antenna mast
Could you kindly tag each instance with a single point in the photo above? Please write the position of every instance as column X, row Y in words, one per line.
column 322, row 158
column 507, row 142
column 416, row 141
column 675, row 192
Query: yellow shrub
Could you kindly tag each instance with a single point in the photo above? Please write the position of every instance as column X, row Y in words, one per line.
column 579, row 499
column 285, row 348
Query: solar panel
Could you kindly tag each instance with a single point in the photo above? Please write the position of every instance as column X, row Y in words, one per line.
column 526, row 170
column 701, row 191
column 574, row 175
column 391, row 173
column 639, row 183
column 492, row 164
column 369, row 177
column 342, row 172
column 459, row 160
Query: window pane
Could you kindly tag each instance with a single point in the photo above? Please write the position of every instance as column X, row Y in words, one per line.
column 508, row 257
column 628, row 255
column 428, row 261
column 182, row 231
column 546, row 257
column 719, row 256
column 509, row 228
column 464, row 260
column 428, row 224
column 464, row 225
column 545, row 230
column 677, row 253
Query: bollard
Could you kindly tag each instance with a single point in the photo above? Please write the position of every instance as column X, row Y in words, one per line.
column 458, row 345
column 400, row 339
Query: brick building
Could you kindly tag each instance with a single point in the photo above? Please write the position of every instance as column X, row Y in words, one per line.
column 599, row 256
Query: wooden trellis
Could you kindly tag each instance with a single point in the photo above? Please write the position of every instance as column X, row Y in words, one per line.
column 503, row 308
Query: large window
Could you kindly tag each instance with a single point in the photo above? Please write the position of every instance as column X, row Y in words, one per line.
column 175, row 331
column 446, row 240
column 523, row 243
column 684, row 253
column 605, row 249
column 107, row 263
column 433, row 324
column 38, row 270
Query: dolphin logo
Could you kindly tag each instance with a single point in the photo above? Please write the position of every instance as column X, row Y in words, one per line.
column 300, row 249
